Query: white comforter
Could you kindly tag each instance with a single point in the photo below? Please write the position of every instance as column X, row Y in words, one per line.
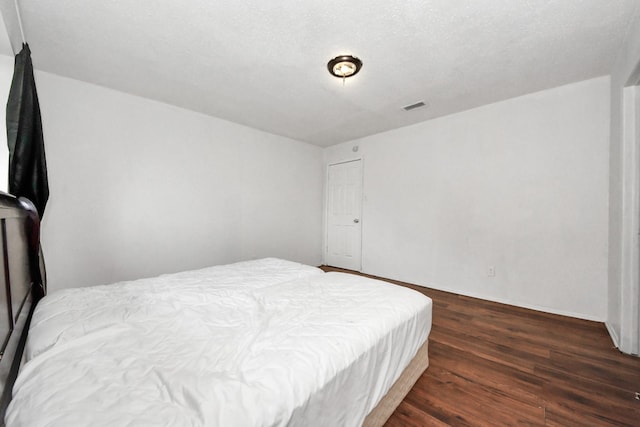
column 263, row 343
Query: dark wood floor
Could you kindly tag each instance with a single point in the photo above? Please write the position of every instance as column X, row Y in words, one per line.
column 493, row 364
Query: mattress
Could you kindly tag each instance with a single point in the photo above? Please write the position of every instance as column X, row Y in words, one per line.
column 264, row 343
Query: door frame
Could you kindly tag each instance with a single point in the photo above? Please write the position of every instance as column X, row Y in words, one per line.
column 325, row 214
column 629, row 339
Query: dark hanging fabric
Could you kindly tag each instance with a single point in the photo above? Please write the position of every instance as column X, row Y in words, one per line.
column 27, row 163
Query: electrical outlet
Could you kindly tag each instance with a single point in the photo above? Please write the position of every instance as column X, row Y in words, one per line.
column 491, row 271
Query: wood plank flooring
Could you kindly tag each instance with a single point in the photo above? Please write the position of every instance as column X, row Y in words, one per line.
column 493, row 364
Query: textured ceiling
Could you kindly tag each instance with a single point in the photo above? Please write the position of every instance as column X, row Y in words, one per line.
column 263, row 64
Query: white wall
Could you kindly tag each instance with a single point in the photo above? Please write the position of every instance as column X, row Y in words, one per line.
column 621, row 190
column 6, row 75
column 140, row 188
column 521, row 185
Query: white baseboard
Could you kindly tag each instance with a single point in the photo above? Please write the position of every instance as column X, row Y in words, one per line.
column 612, row 334
column 519, row 304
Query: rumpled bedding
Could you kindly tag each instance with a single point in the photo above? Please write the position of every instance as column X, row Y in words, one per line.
column 259, row 343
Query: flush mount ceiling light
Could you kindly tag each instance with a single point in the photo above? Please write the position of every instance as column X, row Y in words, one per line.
column 344, row 66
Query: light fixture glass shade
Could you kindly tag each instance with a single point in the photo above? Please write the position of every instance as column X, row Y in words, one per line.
column 344, row 66
column 344, row 69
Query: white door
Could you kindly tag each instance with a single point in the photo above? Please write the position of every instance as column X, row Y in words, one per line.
column 344, row 209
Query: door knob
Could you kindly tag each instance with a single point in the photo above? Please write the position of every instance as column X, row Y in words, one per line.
column 356, row 220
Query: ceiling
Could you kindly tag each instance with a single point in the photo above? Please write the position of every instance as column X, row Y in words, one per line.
column 263, row 64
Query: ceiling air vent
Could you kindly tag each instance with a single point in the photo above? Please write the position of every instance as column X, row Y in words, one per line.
column 414, row 106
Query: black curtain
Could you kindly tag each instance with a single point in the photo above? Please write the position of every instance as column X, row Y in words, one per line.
column 27, row 163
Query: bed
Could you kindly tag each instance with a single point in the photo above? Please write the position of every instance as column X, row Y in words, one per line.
column 258, row 343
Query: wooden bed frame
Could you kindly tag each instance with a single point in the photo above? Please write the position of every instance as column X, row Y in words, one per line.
column 403, row 385
column 25, row 283
column 23, row 274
